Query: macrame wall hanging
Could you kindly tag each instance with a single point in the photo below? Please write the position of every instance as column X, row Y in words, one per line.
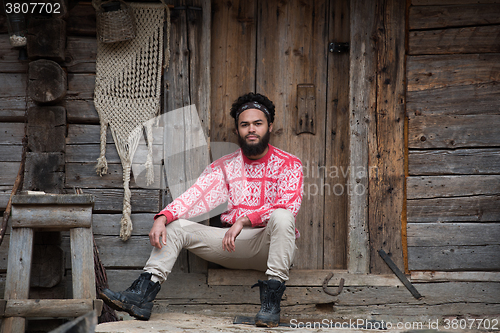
column 127, row 93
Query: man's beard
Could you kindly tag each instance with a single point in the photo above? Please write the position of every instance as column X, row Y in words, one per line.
column 254, row 149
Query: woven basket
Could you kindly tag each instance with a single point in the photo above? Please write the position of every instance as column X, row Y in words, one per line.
column 115, row 26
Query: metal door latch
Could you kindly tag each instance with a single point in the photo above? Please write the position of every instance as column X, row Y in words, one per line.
column 338, row 47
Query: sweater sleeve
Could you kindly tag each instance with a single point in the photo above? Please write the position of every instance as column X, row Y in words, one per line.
column 208, row 192
column 289, row 195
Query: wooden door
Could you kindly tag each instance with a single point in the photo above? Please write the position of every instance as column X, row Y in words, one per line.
column 280, row 49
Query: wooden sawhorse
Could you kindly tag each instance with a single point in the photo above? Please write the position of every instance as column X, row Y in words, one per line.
column 49, row 212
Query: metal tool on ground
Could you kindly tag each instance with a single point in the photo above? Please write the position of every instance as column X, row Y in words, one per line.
column 399, row 274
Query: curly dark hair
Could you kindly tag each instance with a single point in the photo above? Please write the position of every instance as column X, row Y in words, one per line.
column 253, row 97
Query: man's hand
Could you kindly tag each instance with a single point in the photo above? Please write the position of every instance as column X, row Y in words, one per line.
column 233, row 232
column 158, row 231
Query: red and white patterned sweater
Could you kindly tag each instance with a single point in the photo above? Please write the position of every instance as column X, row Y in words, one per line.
column 254, row 188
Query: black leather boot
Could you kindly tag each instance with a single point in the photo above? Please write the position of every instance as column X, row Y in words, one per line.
column 137, row 300
column 271, row 292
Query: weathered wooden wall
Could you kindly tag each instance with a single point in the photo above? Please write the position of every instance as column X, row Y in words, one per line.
column 453, row 109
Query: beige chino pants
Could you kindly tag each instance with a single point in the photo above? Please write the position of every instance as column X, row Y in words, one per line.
column 270, row 249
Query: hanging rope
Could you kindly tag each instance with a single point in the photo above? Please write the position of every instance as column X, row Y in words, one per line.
column 127, row 93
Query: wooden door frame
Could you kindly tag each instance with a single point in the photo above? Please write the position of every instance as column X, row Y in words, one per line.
column 377, row 113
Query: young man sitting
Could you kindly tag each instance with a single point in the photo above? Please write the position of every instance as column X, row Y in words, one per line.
column 263, row 186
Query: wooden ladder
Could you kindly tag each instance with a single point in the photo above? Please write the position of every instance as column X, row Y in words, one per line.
column 49, row 212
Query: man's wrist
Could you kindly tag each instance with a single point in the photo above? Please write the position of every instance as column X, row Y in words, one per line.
column 161, row 219
column 244, row 221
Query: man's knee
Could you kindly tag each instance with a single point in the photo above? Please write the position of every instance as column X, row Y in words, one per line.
column 283, row 214
column 282, row 219
column 174, row 229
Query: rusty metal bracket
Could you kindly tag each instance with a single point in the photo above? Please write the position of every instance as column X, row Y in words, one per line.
column 325, row 286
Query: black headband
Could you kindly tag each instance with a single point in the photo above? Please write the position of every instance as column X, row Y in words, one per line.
column 252, row 105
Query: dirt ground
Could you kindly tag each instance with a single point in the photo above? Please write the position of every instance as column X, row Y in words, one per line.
column 174, row 322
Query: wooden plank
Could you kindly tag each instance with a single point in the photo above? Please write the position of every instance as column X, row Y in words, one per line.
column 46, row 38
column 481, row 208
column 337, row 134
column 51, row 216
column 12, row 116
column 386, row 148
column 44, row 172
column 288, row 55
column 438, row 71
column 81, row 54
column 177, row 95
column 191, row 291
column 86, row 134
column 483, row 39
column 455, row 100
column 177, row 76
column 111, row 200
column 309, row 313
column 233, row 51
column 9, row 56
column 4, row 195
column 199, row 39
column 362, row 94
column 11, row 153
column 433, row 276
column 89, row 153
column 82, row 263
column 425, row 187
column 53, row 199
column 48, row 308
column 453, row 131
column 17, row 284
column 114, row 253
column 80, row 86
column 450, row 2
column 450, row 258
column 12, row 85
column 81, row 112
column 413, row 314
column 300, row 278
column 456, row 234
column 46, row 129
column 11, row 133
column 109, row 224
column 9, row 172
column 82, row 20
column 459, row 161
column 198, row 31
column 4, row 256
column 16, row 103
column 429, row 17
column 90, row 134
column 83, row 175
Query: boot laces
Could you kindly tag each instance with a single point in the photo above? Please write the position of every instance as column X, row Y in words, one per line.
column 135, row 287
